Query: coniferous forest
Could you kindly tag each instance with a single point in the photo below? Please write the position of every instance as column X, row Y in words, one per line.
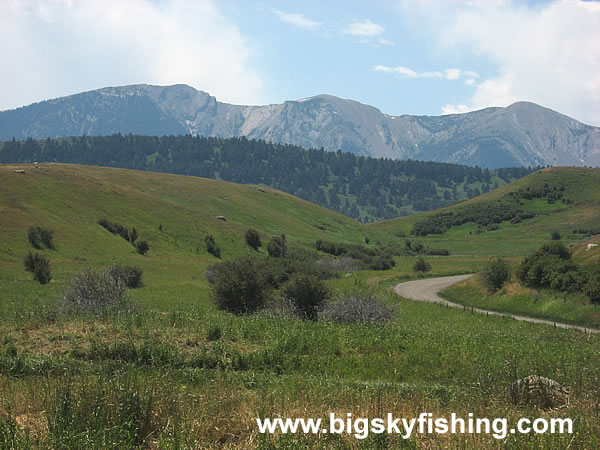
column 360, row 187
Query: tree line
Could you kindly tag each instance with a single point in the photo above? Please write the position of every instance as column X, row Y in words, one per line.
column 364, row 188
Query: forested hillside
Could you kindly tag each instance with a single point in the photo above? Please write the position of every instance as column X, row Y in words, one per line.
column 360, row 187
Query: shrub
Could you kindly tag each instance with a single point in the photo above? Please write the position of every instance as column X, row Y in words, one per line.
column 115, row 228
column 555, row 235
column 211, row 246
column 357, row 308
column 307, row 293
column 142, row 247
column 569, row 281
column 133, row 235
column 436, row 251
column 39, row 236
column 421, row 265
column 482, row 214
column 93, row 290
column 253, row 239
column 372, row 258
column 275, row 247
column 495, row 273
column 340, row 264
column 239, row 286
column 39, row 265
column 542, row 267
column 381, row 263
column 131, row 276
column 592, row 288
column 281, row 307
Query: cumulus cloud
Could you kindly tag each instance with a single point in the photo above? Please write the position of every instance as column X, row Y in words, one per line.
column 297, row 20
column 545, row 53
column 363, row 29
column 448, row 74
column 50, row 49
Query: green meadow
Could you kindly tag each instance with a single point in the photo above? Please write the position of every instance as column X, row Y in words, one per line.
column 173, row 371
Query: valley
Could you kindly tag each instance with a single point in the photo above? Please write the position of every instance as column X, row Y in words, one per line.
column 198, row 375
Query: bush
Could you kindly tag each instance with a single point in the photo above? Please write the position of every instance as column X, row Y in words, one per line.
column 39, row 265
column 357, row 308
column 340, row 264
column 421, row 265
column 555, row 235
column 281, row 307
column 483, row 214
column 542, row 267
column 211, row 246
column 253, row 239
column 95, row 291
column 39, row 236
column 495, row 273
column 133, row 235
column 131, row 276
column 380, row 258
column 307, row 293
column 275, row 247
column 239, row 286
column 142, row 247
column 436, row 251
column 592, row 288
column 115, row 228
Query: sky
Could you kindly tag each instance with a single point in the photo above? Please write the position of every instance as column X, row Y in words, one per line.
column 426, row 57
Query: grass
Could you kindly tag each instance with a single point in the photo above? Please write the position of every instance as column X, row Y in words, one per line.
column 580, row 186
column 550, row 305
column 176, row 372
column 172, row 378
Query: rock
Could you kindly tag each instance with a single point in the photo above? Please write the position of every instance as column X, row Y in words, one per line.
column 591, row 246
column 260, row 189
column 538, row 391
column 21, row 171
column 222, row 218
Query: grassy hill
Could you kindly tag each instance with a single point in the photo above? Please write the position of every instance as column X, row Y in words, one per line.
column 579, row 211
column 175, row 372
column 563, row 200
column 173, row 213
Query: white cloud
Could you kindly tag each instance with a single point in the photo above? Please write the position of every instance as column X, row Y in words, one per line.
column 452, row 74
column 455, row 109
column 297, row 20
column 448, row 74
column 546, row 53
column 50, row 49
column 469, row 81
column 365, row 28
column 399, row 70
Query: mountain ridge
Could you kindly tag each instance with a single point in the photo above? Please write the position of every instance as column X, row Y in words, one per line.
column 522, row 134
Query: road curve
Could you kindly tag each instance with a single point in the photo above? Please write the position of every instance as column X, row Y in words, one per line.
column 427, row 291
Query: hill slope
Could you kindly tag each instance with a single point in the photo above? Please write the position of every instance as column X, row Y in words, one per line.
column 562, row 199
column 173, row 213
column 363, row 188
column 523, row 134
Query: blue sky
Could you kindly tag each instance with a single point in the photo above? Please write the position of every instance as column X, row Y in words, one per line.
column 403, row 57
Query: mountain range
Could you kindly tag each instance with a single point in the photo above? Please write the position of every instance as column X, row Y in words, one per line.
column 522, row 134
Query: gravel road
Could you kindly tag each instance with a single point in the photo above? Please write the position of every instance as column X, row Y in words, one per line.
column 427, row 291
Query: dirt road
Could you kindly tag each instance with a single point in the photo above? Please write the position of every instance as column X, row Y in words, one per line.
column 427, row 291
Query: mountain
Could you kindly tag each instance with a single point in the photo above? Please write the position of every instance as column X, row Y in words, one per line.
column 522, row 134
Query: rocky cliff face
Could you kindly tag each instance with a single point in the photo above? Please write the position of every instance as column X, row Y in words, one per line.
column 522, row 134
